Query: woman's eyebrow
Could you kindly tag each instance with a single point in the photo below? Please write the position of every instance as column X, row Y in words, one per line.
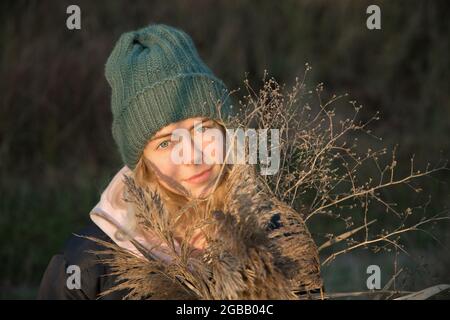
column 168, row 134
column 161, row 136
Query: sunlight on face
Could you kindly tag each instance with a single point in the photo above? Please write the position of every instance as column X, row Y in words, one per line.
column 200, row 168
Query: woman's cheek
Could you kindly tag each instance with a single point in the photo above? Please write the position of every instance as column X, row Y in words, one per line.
column 164, row 163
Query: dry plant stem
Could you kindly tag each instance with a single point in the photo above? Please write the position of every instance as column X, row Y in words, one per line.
column 318, row 157
column 384, row 237
column 320, row 168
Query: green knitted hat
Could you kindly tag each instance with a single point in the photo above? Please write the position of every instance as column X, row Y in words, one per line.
column 157, row 78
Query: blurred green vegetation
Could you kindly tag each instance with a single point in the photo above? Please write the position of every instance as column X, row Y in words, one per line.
column 56, row 150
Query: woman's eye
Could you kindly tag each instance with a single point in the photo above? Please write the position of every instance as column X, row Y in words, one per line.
column 164, row 144
column 201, row 129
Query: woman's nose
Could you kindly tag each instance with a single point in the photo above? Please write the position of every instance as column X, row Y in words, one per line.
column 196, row 152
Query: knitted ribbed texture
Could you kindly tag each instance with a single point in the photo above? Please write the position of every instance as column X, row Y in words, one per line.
column 157, row 78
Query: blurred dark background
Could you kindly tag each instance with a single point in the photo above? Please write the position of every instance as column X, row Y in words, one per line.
column 56, row 149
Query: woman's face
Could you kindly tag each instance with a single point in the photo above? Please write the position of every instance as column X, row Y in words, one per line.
column 187, row 156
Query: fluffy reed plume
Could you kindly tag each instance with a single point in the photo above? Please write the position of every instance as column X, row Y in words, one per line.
column 260, row 249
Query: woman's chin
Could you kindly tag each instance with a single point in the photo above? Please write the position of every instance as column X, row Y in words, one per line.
column 203, row 190
column 201, row 193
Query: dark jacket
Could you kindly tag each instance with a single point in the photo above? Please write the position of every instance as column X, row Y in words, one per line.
column 93, row 274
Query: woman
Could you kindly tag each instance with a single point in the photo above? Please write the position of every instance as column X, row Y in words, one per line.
column 154, row 221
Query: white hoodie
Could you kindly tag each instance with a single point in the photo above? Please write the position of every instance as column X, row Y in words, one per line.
column 110, row 212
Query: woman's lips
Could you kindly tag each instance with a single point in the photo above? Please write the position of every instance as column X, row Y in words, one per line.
column 200, row 178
